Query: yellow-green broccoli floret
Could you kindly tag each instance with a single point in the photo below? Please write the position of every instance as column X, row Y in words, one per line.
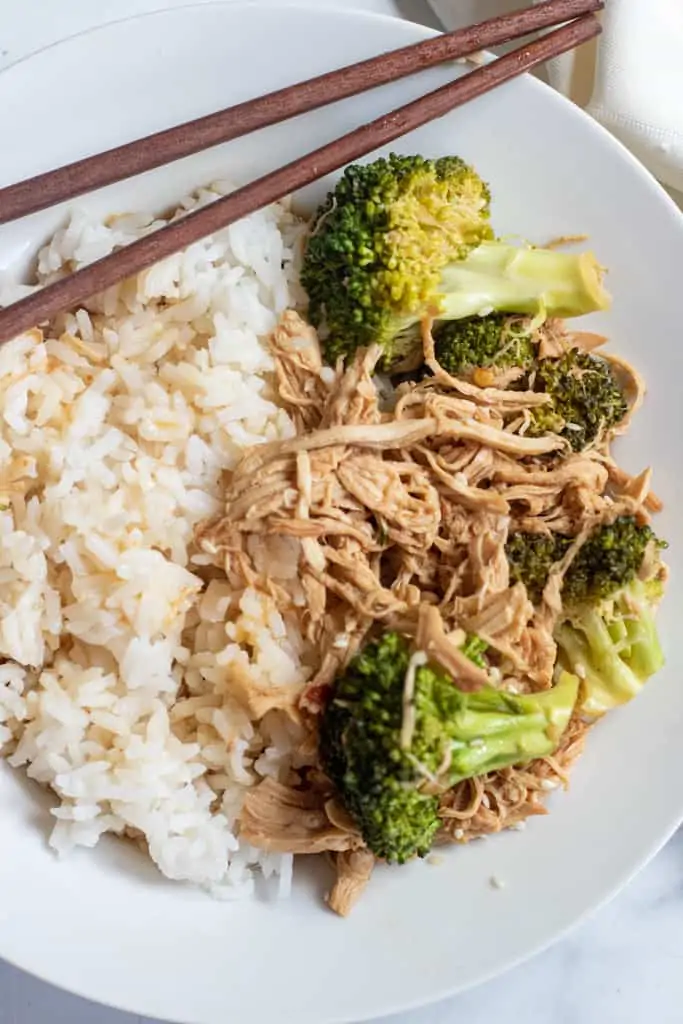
column 607, row 632
column 388, row 778
column 405, row 237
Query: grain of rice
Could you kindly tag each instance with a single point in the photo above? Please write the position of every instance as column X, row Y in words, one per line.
column 117, row 430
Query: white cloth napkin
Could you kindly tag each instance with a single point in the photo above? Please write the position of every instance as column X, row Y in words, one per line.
column 632, row 81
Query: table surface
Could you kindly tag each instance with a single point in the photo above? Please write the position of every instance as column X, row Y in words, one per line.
column 623, row 965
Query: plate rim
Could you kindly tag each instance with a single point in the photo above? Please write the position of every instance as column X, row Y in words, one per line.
column 416, row 31
column 357, row 12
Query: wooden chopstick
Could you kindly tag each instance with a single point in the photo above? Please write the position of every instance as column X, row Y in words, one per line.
column 57, row 186
column 70, row 291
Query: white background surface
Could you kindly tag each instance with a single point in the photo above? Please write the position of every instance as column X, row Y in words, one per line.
column 621, row 967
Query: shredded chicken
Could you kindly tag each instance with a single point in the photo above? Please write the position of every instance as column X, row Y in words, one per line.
column 632, row 384
column 625, row 483
column 400, row 492
column 561, row 241
column 552, row 338
column 432, row 639
column 280, row 819
column 506, row 798
column 587, row 340
column 505, row 615
column 298, row 366
column 400, row 511
column 353, row 868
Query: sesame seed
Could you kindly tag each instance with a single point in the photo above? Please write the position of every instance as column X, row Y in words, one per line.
column 549, row 784
column 458, row 834
column 496, row 883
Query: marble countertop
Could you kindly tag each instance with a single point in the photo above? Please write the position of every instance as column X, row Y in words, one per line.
column 623, row 965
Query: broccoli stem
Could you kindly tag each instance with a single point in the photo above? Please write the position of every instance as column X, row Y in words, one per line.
column 646, row 655
column 642, row 648
column 510, row 279
column 385, row 781
column 496, row 729
column 606, row 680
column 614, row 646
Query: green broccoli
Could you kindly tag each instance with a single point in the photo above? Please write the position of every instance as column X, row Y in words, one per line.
column 475, row 648
column 607, row 633
column 531, row 556
column 405, row 237
column 481, row 341
column 388, row 772
column 609, row 559
column 586, row 398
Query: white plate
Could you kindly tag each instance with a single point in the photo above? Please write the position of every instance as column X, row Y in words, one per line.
column 104, row 924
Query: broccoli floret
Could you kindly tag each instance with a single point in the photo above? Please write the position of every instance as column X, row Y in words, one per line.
column 404, row 237
column 475, row 648
column 586, row 398
column 482, row 341
column 360, row 751
column 607, row 633
column 531, row 556
column 613, row 644
column 388, row 779
column 609, row 559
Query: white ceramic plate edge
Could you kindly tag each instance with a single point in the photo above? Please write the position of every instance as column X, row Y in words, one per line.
column 648, row 849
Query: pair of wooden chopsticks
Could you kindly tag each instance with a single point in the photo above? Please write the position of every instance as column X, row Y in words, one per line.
column 65, row 183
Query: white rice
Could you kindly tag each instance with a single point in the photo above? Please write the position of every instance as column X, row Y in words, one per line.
column 116, row 431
